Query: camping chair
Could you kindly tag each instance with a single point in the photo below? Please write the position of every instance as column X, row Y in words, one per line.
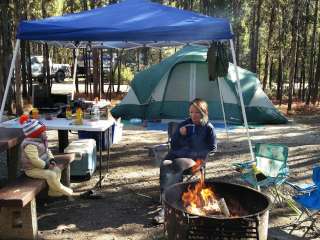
column 308, row 198
column 161, row 150
column 268, row 170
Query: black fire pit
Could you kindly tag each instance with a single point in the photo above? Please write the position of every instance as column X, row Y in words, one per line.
column 251, row 224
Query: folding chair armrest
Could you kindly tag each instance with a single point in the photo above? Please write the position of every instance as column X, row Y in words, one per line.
column 283, row 174
column 243, row 165
column 302, row 188
column 160, row 147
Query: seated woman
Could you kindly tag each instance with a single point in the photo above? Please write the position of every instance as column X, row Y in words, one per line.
column 194, row 139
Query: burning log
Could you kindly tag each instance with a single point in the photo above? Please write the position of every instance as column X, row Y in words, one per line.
column 223, row 207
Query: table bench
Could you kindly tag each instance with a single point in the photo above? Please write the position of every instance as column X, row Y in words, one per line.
column 18, row 213
column 10, row 140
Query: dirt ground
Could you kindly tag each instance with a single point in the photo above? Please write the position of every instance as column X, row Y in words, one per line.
column 131, row 188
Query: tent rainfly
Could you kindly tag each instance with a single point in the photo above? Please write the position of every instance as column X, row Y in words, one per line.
column 165, row 90
column 129, row 23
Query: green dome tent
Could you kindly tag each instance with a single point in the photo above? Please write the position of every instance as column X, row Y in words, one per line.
column 164, row 91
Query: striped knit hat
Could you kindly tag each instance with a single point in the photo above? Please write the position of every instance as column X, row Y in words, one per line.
column 32, row 128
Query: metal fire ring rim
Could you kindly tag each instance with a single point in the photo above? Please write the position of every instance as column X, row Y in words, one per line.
column 190, row 215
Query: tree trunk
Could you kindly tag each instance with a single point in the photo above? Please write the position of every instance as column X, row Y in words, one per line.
column 23, row 69
column 237, row 27
column 46, row 66
column 19, row 101
column 138, row 60
column 23, row 51
column 316, row 80
column 267, row 56
column 96, row 74
column 312, row 53
column 254, row 41
column 302, row 89
column 18, row 79
column 280, row 77
column 293, row 51
column 7, row 51
column 271, row 75
column 102, row 69
column 119, row 70
column 2, row 77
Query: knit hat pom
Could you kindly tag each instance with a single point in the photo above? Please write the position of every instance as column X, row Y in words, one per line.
column 23, row 118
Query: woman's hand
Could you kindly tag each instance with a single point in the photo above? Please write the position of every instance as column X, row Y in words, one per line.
column 183, row 131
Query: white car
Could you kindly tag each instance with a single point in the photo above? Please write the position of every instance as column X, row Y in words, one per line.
column 57, row 71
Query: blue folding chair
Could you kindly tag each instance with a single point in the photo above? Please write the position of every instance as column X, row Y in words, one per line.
column 269, row 170
column 308, row 198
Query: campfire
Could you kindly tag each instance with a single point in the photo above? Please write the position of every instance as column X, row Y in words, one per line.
column 201, row 200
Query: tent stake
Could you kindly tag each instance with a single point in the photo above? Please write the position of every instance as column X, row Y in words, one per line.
column 13, row 62
column 243, row 110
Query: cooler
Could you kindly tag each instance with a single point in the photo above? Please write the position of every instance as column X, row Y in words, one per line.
column 85, row 157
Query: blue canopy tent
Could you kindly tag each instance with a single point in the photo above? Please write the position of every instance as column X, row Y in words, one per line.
column 131, row 23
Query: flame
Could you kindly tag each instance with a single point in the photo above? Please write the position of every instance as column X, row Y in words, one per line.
column 197, row 166
column 200, row 200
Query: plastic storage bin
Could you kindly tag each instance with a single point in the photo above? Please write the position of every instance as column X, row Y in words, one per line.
column 85, row 157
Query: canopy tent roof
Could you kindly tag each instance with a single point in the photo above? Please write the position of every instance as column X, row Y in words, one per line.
column 132, row 23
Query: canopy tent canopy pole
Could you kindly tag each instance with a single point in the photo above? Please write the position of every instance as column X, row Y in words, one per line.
column 74, row 73
column 243, row 110
column 223, row 112
column 13, row 62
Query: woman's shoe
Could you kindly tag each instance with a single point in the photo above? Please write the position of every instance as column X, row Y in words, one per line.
column 159, row 219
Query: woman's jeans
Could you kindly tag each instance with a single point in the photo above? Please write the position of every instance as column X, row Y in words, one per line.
column 171, row 171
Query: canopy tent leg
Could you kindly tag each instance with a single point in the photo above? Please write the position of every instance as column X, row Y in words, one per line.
column 13, row 61
column 74, row 73
column 243, row 110
column 223, row 112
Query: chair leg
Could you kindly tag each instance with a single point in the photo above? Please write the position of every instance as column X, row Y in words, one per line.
column 277, row 195
column 309, row 218
column 296, row 223
column 281, row 198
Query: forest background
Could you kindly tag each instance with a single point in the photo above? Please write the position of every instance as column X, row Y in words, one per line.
column 279, row 40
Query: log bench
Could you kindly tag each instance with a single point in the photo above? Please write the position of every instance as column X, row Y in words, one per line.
column 18, row 213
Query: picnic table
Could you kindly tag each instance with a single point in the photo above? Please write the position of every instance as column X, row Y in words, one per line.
column 10, row 140
column 63, row 125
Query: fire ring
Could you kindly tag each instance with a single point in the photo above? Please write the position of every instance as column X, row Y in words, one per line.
column 249, row 223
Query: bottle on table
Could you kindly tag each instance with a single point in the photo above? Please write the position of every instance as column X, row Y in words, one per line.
column 68, row 113
column 79, row 116
column 96, row 111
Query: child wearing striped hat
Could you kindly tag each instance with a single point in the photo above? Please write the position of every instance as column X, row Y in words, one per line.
column 37, row 160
